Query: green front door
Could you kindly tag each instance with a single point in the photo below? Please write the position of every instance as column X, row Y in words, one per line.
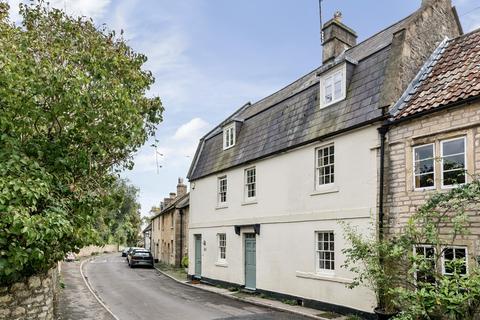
column 250, row 261
column 198, row 255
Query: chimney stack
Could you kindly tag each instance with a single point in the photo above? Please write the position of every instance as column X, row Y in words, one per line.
column 181, row 188
column 337, row 38
column 172, row 195
column 166, row 202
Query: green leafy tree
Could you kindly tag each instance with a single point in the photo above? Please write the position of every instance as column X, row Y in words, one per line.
column 73, row 110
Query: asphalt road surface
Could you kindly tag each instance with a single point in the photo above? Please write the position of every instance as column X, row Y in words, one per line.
column 140, row 293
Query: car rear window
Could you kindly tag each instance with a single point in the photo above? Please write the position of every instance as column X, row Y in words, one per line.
column 142, row 253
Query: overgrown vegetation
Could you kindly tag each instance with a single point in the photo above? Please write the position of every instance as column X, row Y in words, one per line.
column 424, row 271
column 73, row 110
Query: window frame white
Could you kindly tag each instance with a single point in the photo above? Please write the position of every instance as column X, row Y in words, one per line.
column 229, row 136
column 220, row 191
column 434, row 167
column 425, row 246
column 464, row 138
column 246, row 184
column 220, row 246
column 330, row 75
column 443, row 258
column 319, row 270
column 317, row 175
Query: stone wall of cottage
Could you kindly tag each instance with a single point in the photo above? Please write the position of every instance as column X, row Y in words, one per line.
column 181, row 235
column 31, row 299
column 401, row 199
column 412, row 46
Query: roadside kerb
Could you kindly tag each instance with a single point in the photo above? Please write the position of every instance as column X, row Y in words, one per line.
column 92, row 291
column 257, row 303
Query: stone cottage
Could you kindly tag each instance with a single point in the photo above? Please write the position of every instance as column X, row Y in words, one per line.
column 169, row 241
column 433, row 140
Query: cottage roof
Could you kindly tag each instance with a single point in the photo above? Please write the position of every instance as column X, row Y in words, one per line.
column 147, row 228
column 451, row 75
column 291, row 117
column 178, row 203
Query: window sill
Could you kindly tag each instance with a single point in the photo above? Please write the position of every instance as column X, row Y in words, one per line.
column 221, row 206
column 222, row 264
column 322, row 277
column 424, row 189
column 325, row 190
column 249, row 202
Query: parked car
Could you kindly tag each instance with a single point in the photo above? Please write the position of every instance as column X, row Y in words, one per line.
column 130, row 249
column 125, row 251
column 70, row 257
column 140, row 257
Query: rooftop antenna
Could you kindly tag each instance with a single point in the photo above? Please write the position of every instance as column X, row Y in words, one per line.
column 321, row 20
column 156, row 159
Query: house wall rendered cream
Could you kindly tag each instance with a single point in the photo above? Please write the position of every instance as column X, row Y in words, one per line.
column 290, row 210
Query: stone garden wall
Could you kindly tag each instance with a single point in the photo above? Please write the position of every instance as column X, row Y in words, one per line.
column 31, row 299
column 91, row 250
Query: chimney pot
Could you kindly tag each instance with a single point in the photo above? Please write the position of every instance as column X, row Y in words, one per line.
column 338, row 16
column 172, row 195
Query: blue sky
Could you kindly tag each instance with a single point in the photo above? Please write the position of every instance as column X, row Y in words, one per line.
column 210, row 57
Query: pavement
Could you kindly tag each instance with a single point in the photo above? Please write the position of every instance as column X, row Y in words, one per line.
column 143, row 293
column 75, row 301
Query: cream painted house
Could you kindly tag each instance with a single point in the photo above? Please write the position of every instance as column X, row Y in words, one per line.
column 270, row 184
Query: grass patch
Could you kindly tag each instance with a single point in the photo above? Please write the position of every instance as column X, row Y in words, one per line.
column 290, row 302
column 175, row 272
column 354, row 317
column 329, row 315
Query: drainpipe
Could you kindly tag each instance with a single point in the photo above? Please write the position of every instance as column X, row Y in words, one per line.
column 383, row 132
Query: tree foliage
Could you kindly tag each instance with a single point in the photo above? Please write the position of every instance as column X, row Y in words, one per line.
column 73, row 110
column 121, row 221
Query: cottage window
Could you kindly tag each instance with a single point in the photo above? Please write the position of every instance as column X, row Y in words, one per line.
column 222, row 190
column 325, row 251
column 428, row 253
column 457, row 254
column 325, row 162
column 222, row 246
column 424, row 166
column 453, row 162
column 332, row 87
column 250, row 184
column 229, row 136
column 171, row 221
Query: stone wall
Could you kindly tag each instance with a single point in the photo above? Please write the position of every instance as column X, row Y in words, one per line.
column 32, row 299
column 401, row 198
column 88, row 251
column 412, row 45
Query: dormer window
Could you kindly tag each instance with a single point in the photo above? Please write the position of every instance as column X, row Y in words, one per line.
column 229, row 136
column 333, row 86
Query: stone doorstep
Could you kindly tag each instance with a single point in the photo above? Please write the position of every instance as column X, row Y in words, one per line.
column 262, row 302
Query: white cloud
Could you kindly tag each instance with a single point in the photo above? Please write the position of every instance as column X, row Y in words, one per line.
column 193, row 128
column 88, row 8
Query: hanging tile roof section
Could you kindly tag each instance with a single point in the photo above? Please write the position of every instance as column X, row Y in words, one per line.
column 451, row 75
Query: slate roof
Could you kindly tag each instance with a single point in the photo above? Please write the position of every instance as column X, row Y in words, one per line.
column 451, row 75
column 291, row 117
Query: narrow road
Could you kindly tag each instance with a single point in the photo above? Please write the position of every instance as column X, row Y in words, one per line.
column 146, row 294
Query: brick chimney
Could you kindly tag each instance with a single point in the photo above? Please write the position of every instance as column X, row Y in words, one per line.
column 181, row 188
column 337, row 38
